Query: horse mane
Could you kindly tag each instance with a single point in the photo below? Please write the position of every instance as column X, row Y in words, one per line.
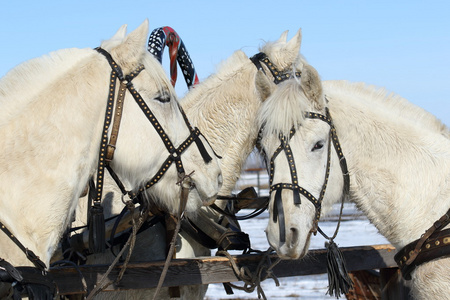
column 290, row 100
column 398, row 106
column 227, row 70
column 39, row 73
column 36, row 74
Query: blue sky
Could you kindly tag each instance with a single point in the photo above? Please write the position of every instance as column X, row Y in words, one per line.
column 403, row 46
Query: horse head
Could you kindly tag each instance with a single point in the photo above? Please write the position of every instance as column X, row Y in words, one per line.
column 73, row 112
column 142, row 150
column 295, row 141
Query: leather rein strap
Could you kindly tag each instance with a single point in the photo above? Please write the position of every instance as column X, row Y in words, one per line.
column 37, row 262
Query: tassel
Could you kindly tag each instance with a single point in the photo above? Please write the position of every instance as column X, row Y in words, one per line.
column 96, row 229
column 339, row 282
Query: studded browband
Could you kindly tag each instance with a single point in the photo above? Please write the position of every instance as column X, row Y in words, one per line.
column 278, row 76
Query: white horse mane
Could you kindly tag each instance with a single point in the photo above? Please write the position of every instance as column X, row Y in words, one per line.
column 285, row 108
column 39, row 72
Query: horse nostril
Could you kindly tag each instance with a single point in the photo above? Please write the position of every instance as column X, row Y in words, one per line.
column 293, row 236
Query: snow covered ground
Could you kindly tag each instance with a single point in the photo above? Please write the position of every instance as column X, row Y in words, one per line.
column 353, row 232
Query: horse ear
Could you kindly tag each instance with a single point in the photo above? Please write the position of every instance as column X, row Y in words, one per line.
column 116, row 40
column 294, row 44
column 264, row 86
column 130, row 52
column 283, row 37
column 120, row 34
column 138, row 37
column 312, row 86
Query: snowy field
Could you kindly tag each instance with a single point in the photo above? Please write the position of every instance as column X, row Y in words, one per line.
column 356, row 231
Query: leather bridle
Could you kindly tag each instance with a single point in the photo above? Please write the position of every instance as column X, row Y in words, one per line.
column 107, row 147
column 278, row 211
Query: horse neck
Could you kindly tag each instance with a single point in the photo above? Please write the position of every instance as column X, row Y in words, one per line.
column 399, row 171
column 398, row 106
column 224, row 107
column 49, row 162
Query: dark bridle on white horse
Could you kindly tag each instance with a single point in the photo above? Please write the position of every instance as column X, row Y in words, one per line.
column 8, row 273
column 285, row 147
column 338, row 277
column 107, row 148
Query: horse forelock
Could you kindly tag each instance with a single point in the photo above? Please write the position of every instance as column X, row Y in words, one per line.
column 285, row 108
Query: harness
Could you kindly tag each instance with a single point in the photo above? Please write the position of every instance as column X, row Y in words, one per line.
column 8, row 273
column 433, row 244
column 167, row 36
column 107, row 148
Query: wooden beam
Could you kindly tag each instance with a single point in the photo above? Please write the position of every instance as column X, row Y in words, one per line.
column 216, row 269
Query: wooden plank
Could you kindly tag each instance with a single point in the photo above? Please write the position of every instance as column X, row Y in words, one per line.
column 393, row 286
column 207, row 270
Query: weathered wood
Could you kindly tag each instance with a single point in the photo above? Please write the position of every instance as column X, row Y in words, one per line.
column 393, row 286
column 366, row 285
column 207, row 270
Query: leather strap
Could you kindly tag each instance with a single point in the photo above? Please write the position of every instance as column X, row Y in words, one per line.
column 279, row 76
column 437, row 245
column 116, row 122
column 30, row 254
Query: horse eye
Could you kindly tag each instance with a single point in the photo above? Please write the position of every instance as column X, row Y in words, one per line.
column 317, row 146
column 164, row 98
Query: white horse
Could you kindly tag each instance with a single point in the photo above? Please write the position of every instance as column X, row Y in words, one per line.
column 398, row 158
column 225, row 108
column 52, row 111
